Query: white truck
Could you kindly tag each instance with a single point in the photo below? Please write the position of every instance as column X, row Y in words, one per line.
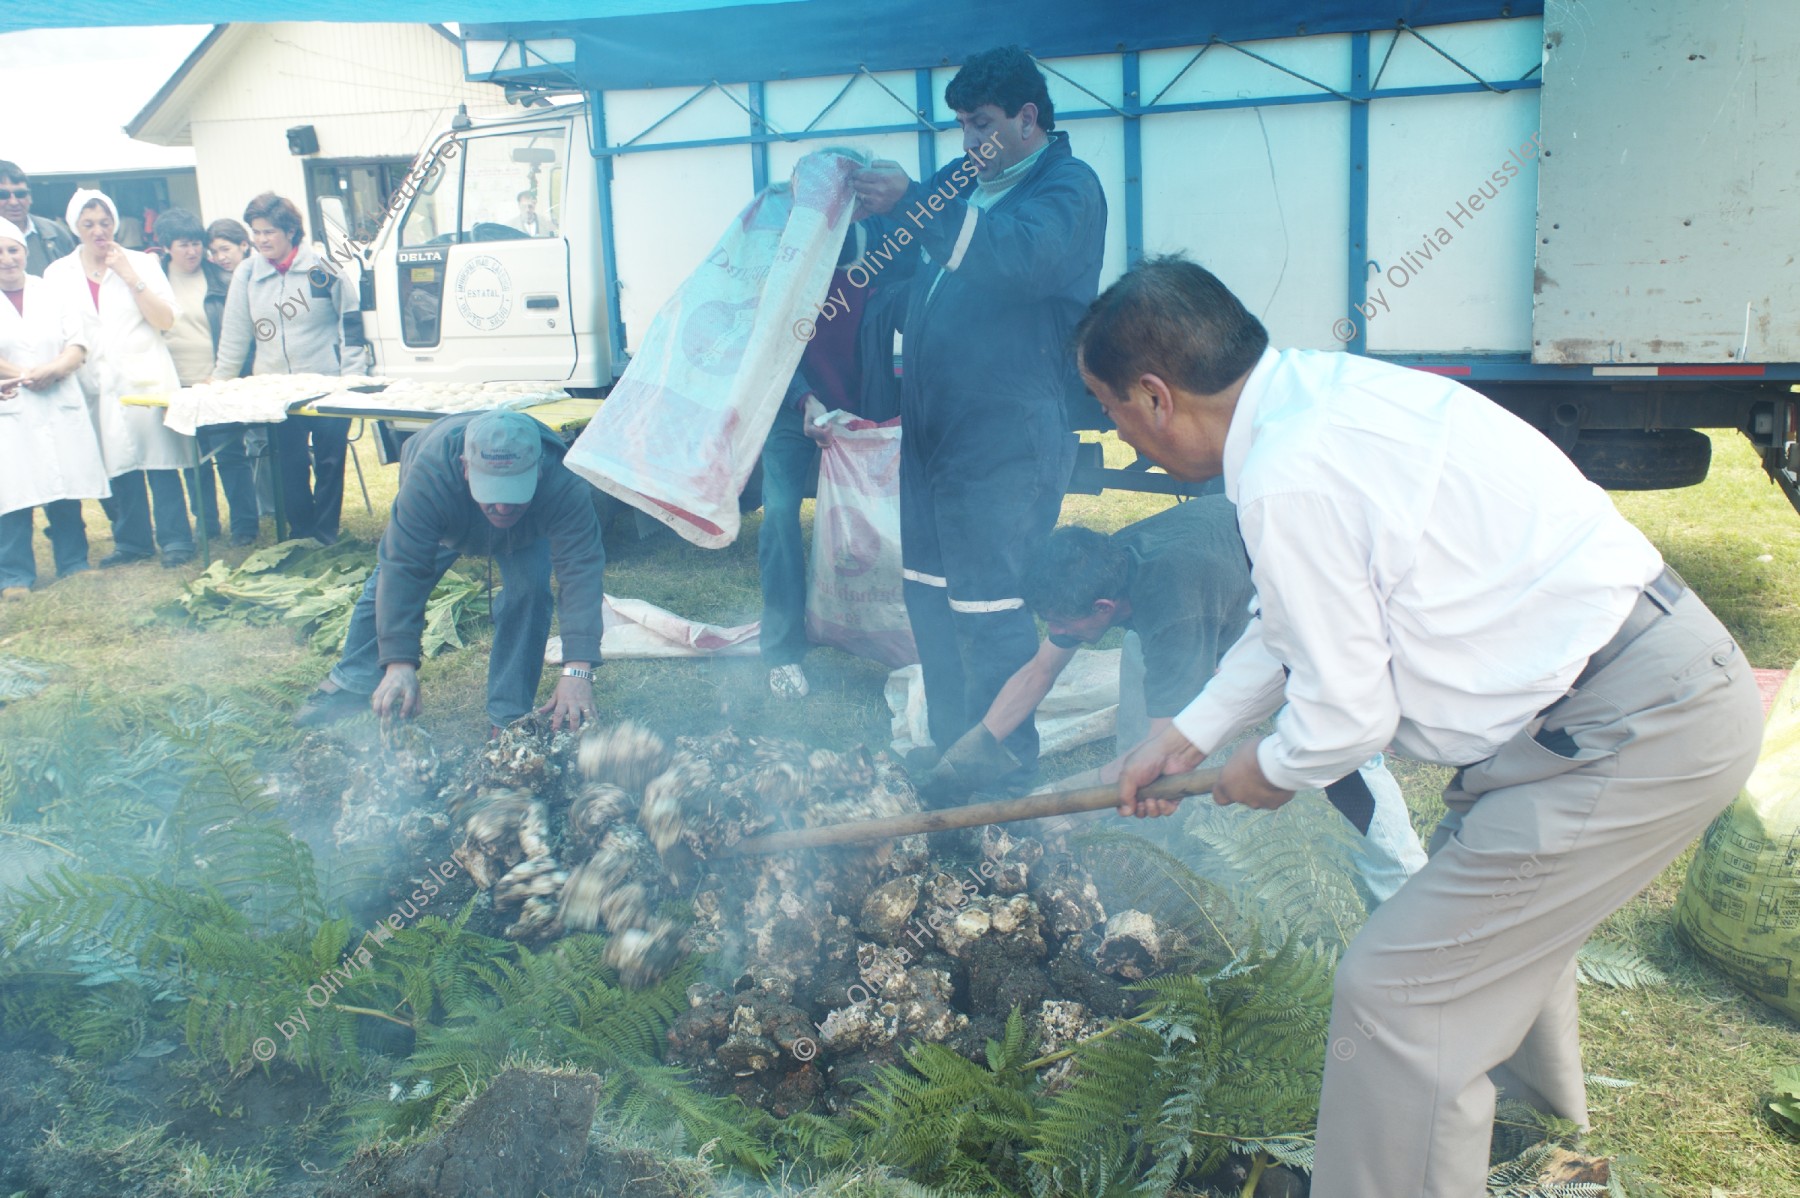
column 1583, row 210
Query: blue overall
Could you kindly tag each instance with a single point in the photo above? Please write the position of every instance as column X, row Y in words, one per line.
column 986, row 453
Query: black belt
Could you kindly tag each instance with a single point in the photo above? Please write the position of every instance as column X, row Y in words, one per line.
column 1354, row 800
column 1656, row 600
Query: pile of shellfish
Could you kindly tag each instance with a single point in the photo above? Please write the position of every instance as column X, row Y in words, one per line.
column 607, row 844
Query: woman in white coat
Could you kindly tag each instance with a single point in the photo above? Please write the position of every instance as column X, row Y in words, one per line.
column 126, row 303
column 49, row 455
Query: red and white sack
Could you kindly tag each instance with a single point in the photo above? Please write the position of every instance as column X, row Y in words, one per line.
column 854, row 599
column 682, row 430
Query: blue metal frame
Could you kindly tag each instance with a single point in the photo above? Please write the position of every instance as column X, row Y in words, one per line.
column 603, row 178
column 927, row 105
column 758, row 137
column 759, row 152
column 1357, row 283
column 1134, row 164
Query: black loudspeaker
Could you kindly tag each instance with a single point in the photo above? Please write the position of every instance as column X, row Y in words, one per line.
column 303, row 139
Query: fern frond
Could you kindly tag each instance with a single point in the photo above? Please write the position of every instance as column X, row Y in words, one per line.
column 1608, row 963
column 1293, row 868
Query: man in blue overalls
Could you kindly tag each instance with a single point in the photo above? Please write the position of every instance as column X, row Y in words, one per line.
column 1012, row 234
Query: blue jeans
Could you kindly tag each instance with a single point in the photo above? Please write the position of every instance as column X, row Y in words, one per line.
column 235, row 470
column 68, row 542
column 130, row 509
column 311, row 450
column 521, row 613
column 790, row 469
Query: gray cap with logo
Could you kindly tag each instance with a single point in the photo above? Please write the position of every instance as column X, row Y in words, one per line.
column 501, row 451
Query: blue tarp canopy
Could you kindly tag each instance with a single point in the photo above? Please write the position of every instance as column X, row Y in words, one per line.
column 662, row 43
column 78, row 14
column 831, row 37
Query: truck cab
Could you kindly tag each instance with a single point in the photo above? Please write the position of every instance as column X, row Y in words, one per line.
column 490, row 269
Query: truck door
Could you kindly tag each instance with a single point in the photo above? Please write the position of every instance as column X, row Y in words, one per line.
column 483, row 266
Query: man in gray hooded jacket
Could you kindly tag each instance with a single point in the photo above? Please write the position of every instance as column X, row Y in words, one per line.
column 489, row 483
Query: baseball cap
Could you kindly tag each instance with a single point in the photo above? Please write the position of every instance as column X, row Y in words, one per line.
column 501, row 451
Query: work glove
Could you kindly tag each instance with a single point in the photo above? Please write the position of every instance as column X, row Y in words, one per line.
column 975, row 761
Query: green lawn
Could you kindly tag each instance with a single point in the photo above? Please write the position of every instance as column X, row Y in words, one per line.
column 1698, row 1052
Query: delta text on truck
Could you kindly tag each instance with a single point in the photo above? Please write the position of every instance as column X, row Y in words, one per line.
column 1586, row 214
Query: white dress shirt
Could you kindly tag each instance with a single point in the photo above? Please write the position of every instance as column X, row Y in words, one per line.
column 1432, row 572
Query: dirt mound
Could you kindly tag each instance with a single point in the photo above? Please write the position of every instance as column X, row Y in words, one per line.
column 527, row 1133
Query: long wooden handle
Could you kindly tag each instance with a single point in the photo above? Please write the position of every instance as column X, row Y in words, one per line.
column 1062, row 802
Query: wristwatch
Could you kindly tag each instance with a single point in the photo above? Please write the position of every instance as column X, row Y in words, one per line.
column 578, row 672
column 139, row 287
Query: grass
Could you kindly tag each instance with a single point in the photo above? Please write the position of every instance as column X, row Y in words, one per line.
column 1700, row 1053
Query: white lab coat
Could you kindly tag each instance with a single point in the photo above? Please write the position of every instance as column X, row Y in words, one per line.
column 126, row 356
column 48, row 448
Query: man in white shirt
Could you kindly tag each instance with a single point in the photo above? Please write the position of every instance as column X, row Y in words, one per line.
column 1432, row 573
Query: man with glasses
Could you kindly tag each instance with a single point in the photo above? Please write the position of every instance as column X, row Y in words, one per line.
column 1179, row 584
column 45, row 239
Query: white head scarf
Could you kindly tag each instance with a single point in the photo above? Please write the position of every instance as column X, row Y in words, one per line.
column 81, row 199
column 11, row 232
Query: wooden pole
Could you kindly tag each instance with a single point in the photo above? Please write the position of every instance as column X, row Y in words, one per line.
column 1036, row 806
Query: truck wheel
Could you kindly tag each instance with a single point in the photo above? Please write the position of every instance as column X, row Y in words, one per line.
column 1638, row 460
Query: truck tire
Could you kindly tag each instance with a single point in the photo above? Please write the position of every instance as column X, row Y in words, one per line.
column 1639, row 460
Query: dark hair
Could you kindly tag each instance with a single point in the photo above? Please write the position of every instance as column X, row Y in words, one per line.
column 1174, row 319
column 277, row 211
column 178, row 224
column 1075, row 568
column 1005, row 77
column 10, row 170
column 526, row 192
column 227, row 229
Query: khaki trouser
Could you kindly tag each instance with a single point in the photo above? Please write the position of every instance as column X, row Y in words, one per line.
column 1470, row 968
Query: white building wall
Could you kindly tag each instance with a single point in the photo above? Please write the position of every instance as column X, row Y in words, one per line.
column 369, row 91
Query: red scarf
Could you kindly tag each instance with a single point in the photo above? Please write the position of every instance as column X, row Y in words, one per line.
column 281, row 267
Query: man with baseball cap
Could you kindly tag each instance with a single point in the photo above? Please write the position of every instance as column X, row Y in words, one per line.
column 489, row 483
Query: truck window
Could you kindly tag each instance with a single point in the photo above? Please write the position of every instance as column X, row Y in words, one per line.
column 513, row 185
column 432, row 218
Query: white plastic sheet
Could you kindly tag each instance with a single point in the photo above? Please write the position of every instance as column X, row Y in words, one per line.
column 634, row 629
column 854, row 596
column 1082, row 707
column 681, row 432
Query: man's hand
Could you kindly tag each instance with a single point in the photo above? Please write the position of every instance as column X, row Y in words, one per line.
column 572, row 704
column 971, row 763
column 1242, row 781
column 1167, row 753
column 879, row 187
column 398, row 695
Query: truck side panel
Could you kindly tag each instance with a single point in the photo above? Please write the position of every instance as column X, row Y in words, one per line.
column 1452, row 218
column 1668, row 192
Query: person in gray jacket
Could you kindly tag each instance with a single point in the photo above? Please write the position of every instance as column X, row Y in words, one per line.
column 301, row 318
column 45, row 240
column 486, row 483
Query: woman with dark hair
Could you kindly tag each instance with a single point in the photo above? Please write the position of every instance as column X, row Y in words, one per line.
column 200, row 290
column 286, row 309
column 49, row 456
column 126, row 304
column 227, row 244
